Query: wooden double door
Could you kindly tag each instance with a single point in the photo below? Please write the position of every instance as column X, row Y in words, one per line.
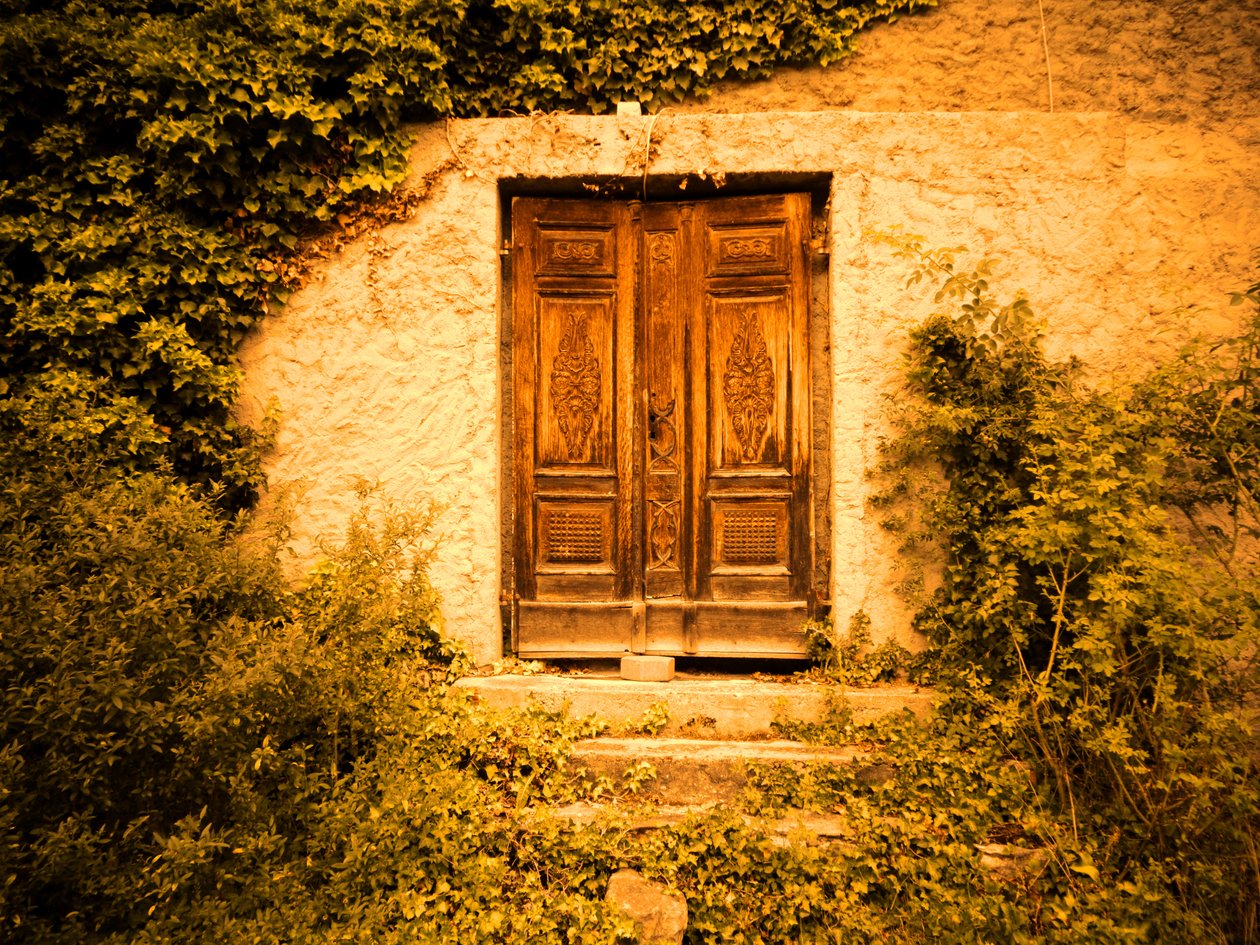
column 661, row 402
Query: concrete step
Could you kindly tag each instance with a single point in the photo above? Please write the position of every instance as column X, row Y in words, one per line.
column 713, row 707
column 691, row 771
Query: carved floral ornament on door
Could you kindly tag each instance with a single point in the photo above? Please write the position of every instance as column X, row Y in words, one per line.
column 661, row 404
column 575, row 384
column 748, row 384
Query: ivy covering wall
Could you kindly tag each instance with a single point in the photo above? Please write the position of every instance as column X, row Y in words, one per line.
column 162, row 161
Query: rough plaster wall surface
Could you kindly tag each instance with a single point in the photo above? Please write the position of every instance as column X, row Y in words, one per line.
column 386, row 365
column 1164, row 60
column 384, row 368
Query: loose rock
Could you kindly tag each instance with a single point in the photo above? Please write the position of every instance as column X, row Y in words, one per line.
column 1008, row 861
column 660, row 914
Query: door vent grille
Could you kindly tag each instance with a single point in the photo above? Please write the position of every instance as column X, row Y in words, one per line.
column 750, row 536
column 575, row 537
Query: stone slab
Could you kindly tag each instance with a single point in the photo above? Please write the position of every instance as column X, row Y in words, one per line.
column 716, row 707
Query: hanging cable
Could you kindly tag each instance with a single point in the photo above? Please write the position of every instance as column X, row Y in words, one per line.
column 1045, row 44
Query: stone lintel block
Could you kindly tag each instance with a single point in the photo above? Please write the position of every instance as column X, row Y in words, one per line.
column 647, row 668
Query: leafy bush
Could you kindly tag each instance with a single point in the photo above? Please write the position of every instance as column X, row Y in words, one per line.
column 421, row 841
column 848, row 657
column 191, row 752
column 163, row 688
column 1101, row 575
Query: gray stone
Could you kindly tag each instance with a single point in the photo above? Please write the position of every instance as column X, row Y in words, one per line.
column 659, row 913
column 1008, row 861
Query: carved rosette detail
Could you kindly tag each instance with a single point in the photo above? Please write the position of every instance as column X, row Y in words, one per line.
column 575, row 386
column 661, row 274
column 755, row 247
column 663, row 534
column 748, row 385
column 575, row 251
column 661, row 247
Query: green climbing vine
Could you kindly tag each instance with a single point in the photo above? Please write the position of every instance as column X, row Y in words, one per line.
column 161, row 161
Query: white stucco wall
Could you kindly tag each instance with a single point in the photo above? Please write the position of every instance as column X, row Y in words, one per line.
column 387, row 364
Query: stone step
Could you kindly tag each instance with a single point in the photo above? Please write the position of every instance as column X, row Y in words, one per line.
column 638, row 818
column 713, row 707
column 1007, row 861
column 692, row 771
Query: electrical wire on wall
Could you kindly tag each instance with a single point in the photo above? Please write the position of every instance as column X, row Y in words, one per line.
column 1045, row 45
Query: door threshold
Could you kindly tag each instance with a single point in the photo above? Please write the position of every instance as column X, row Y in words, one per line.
column 685, row 667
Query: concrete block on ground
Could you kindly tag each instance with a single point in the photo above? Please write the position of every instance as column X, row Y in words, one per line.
column 647, row 668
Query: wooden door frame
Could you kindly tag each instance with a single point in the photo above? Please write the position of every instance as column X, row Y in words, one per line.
column 818, row 289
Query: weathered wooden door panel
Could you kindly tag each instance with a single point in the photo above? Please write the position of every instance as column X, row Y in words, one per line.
column 723, row 628
column 573, row 372
column 661, row 394
column 568, row 628
column 751, row 439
